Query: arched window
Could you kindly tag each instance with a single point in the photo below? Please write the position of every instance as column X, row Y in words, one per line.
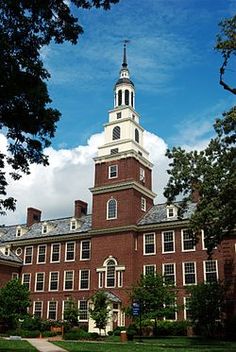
column 116, row 133
column 120, row 97
column 110, row 273
column 126, row 97
column 112, row 209
column 132, row 99
column 136, row 132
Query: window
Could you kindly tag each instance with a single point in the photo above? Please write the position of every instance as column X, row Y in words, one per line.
column 132, row 99
column 187, row 312
column 168, row 271
column 100, row 279
column 136, row 135
column 118, row 115
column 44, row 228
column 73, row 224
column 39, row 282
column 52, row 310
column 114, row 151
column 171, row 314
column 85, row 249
column 112, row 209
column 70, row 251
column 110, row 273
column 26, row 278
column 83, row 310
column 168, row 244
column 15, row 276
column 41, row 257
column 116, row 133
column 120, row 97
column 68, row 280
column 149, row 245
column 120, row 278
column 170, row 212
column 55, row 252
column 18, row 231
column 143, row 204
column 187, row 241
column 189, row 270
column 7, row 251
column 210, row 270
column 38, row 309
column 113, row 171
column 141, row 174
column 18, row 251
column 149, row 269
column 126, row 97
column 28, row 257
column 54, row 281
column 84, row 279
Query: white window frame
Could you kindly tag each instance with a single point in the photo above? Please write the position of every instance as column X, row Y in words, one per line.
column 66, row 251
column 36, row 281
column 115, row 216
column 83, row 320
column 51, row 254
column 120, row 278
column 141, row 174
column 81, row 249
column 64, row 280
column 144, row 243
column 32, row 251
column 195, row 272
column 115, row 264
column 163, row 270
column 55, row 310
column 22, row 280
column 185, row 304
column 18, row 231
column 45, row 254
column 182, row 243
column 175, row 313
column 115, row 166
column 163, row 242
column 143, row 204
column 172, row 209
column 80, row 276
column 50, row 280
column 100, row 279
column 14, row 275
column 44, row 228
column 73, row 224
column 41, row 311
column 149, row 265
column 205, row 272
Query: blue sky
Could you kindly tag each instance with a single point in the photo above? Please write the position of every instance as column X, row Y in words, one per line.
column 175, row 69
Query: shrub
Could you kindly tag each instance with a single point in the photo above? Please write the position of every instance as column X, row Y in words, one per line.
column 230, row 328
column 117, row 330
column 31, row 323
column 48, row 334
column 172, row 328
column 76, row 334
column 131, row 331
column 24, row 333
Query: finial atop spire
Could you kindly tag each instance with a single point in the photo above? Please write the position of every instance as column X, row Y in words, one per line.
column 124, row 64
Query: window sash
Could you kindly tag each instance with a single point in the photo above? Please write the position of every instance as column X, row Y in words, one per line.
column 85, row 249
column 28, row 257
column 83, row 310
column 168, row 241
column 38, row 309
column 169, row 273
column 149, row 269
column 112, row 209
column 149, row 243
column 84, row 280
column 189, row 273
column 113, row 171
column 26, row 278
column 41, row 254
column 54, row 281
column 187, row 241
column 210, row 271
column 55, row 252
column 39, row 283
column 70, row 251
column 68, row 280
column 52, row 310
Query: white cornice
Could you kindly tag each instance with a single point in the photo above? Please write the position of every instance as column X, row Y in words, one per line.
column 123, row 155
column 118, row 122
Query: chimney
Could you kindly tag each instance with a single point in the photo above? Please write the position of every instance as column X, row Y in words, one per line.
column 33, row 216
column 80, row 208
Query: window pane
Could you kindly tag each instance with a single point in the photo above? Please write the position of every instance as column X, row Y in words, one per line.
column 116, row 133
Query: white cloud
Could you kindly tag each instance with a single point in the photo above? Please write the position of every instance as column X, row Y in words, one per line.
column 53, row 189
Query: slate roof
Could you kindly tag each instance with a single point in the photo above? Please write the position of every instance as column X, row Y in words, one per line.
column 158, row 214
column 12, row 257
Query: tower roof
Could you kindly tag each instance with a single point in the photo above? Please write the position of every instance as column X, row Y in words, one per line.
column 124, row 72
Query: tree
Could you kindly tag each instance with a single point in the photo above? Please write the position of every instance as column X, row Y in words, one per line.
column 25, row 117
column 14, row 302
column 71, row 312
column 155, row 296
column 100, row 311
column 206, row 307
column 211, row 172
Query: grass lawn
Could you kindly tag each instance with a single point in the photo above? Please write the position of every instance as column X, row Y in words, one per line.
column 9, row 345
column 181, row 344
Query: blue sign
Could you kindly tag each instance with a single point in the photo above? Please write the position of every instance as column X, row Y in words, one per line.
column 136, row 309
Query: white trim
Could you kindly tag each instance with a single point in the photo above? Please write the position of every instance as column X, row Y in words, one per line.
column 56, row 309
column 163, row 242
column 22, row 279
column 144, row 243
column 148, row 265
column 81, row 245
column 36, row 281
column 83, row 300
column 50, row 280
column 109, row 171
column 143, row 204
column 120, row 278
column 114, row 273
column 101, row 279
column 204, row 269
column 115, row 217
column 55, row 261
column 45, row 254
column 84, row 289
column 182, row 243
column 195, row 272
column 41, row 307
column 163, row 270
column 64, row 280
column 14, row 274
column 32, row 251
column 69, row 242
column 18, row 251
column 185, row 313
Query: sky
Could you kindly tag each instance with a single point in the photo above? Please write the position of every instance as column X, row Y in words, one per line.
column 174, row 67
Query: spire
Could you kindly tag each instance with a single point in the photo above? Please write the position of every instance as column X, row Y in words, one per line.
column 124, row 64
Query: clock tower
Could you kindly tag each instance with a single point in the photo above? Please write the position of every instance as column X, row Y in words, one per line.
column 122, row 192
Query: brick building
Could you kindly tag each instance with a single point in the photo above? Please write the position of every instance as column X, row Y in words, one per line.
column 125, row 235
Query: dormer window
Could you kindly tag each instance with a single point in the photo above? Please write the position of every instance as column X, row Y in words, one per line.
column 44, row 228
column 73, row 224
column 7, row 251
column 18, row 231
column 171, row 212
